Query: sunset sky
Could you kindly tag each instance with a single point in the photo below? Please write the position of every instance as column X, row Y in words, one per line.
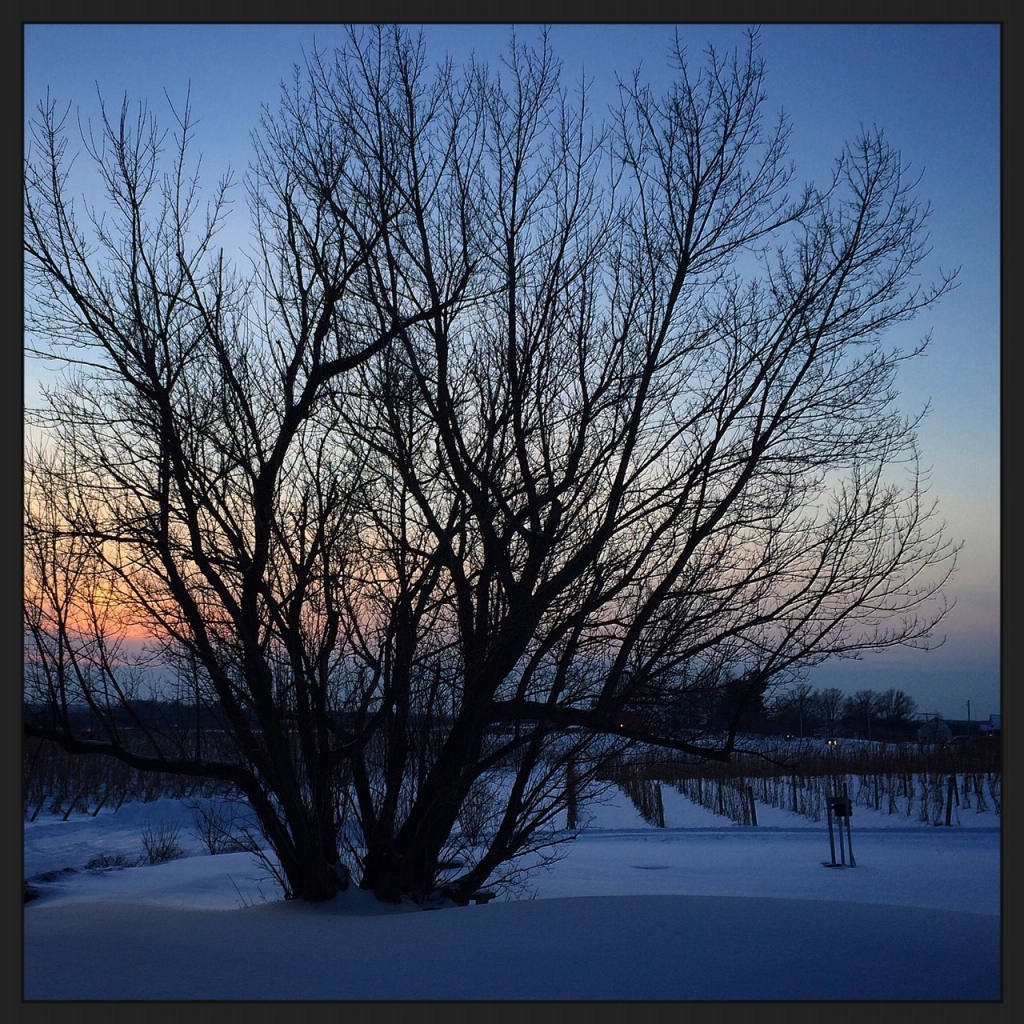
column 933, row 89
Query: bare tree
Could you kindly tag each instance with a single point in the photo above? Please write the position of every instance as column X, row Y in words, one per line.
column 861, row 710
column 799, row 708
column 830, row 706
column 896, row 712
column 518, row 423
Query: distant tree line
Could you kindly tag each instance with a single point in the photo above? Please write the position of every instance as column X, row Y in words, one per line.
column 798, row 709
column 803, row 710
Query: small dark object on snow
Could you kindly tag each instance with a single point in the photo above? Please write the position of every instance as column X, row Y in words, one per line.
column 841, row 806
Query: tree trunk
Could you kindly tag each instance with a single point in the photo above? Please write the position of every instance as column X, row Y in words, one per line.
column 408, row 865
column 307, row 851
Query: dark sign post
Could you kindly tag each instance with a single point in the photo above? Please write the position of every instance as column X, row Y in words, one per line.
column 831, row 836
column 842, row 808
column 839, row 809
column 849, row 815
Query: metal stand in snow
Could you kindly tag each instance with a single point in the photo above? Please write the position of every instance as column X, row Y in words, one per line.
column 842, row 808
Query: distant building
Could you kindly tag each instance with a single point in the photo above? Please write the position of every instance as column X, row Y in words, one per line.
column 935, row 730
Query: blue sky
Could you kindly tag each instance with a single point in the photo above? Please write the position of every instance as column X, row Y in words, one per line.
column 934, row 89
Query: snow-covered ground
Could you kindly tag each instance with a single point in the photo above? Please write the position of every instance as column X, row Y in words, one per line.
column 700, row 910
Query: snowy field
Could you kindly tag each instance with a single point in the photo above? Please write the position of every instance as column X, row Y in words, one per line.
column 703, row 909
